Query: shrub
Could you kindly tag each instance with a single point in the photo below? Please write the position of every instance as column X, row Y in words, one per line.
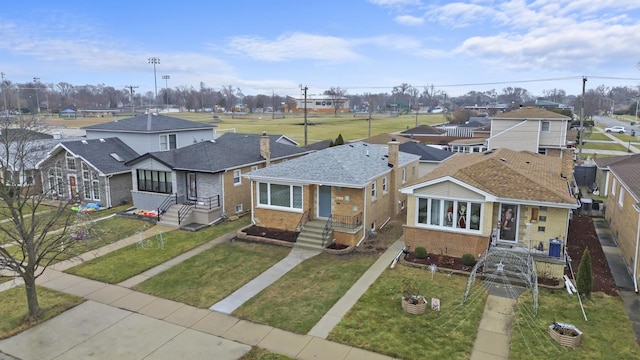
column 584, row 282
column 420, row 252
column 468, row 260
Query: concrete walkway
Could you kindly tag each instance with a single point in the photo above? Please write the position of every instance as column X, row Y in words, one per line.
column 253, row 287
column 335, row 314
column 494, row 332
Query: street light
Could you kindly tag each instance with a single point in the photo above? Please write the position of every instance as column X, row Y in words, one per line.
column 35, row 81
column 155, row 61
column 166, row 89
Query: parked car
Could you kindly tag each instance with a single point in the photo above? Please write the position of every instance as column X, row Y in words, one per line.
column 617, row 128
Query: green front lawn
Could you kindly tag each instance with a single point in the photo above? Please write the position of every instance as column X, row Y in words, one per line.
column 212, row 275
column 604, row 146
column 378, row 323
column 132, row 260
column 299, row 299
column 606, row 335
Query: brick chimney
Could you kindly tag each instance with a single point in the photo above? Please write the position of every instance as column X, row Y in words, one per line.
column 265, row 150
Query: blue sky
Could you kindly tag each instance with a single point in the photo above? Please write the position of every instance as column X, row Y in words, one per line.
column 363, row 46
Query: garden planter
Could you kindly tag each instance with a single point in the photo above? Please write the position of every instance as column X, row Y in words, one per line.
column 417, row 306
column 565, row 334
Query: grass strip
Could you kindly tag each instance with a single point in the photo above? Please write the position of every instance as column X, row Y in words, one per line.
column 14, row 308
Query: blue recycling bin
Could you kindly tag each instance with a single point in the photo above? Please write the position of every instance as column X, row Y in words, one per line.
column 555, row 246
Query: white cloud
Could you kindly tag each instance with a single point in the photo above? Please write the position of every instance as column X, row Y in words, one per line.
column 294, row 46
column 409, row 20
column 580, row 46
column 394, row 3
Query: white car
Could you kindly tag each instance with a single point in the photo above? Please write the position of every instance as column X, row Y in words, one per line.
column 617, row 128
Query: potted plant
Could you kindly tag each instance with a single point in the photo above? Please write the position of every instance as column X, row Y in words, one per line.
column 412, row 302
column 565, row 334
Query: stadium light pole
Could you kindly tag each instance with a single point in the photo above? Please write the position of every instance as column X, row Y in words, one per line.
column 155, row 61
column 35, row 81
column 166, row 89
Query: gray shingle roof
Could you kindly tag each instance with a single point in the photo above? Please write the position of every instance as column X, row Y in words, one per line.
column 97, row 152
column 149, row 123
column 426, row 153
column 628, row 172
column 228, row 151
column 354, row 165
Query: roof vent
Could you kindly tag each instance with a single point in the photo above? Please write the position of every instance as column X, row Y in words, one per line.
column 117, row 157
column 84, row 142
column 503, row 159
column 102, row 140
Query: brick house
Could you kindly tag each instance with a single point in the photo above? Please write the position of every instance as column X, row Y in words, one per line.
column 351, row 189
column 622, row 189
column 517, row 200
column 206, row 177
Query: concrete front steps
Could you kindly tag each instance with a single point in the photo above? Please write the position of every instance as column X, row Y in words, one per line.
column 311, row 235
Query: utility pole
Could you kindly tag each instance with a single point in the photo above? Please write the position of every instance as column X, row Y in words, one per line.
column 580, row 138
column 305, row 114
column 133, row 105
column 36, row 80
column 4, row 94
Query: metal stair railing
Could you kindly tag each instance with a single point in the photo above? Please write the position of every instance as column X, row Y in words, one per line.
column 325, row 232
column 166, row 204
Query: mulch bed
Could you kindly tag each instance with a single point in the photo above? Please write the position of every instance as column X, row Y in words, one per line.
column 582, row 234
column 283, row 235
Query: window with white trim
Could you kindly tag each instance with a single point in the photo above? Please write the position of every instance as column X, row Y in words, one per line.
column 71, row 161
column 374, row 191
column 168, row 142
column 404, row 175
column 621, row 197
column 90, row 183
column 238, row 208
column 545, row 126
column 237, row 178
column 254, row 167
column 614, row 185
column 458, row 214
column 56, row 183
column 385, row 188
column 280, row 195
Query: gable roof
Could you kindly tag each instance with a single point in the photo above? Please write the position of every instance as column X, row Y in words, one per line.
column 426, row 153
column 423, row 130
column 608, row 161
column 228, row 151
column 149, row 123
column 22, row 135
column 508, row 175
column 628, row 172
column 98, row 153
column 353, row 165
column 530, row 112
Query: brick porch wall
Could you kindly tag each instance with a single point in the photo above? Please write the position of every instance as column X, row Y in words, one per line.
column 446, row 243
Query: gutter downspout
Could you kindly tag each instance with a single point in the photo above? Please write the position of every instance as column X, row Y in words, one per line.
column 108, row 188
column 253, row 220
column 635, row 258
column 364, row 217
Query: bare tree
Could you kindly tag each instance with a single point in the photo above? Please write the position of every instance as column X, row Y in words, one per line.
column 338, row 98
column 39, row 231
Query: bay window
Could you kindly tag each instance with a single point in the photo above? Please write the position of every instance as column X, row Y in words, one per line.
column 459, row 214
